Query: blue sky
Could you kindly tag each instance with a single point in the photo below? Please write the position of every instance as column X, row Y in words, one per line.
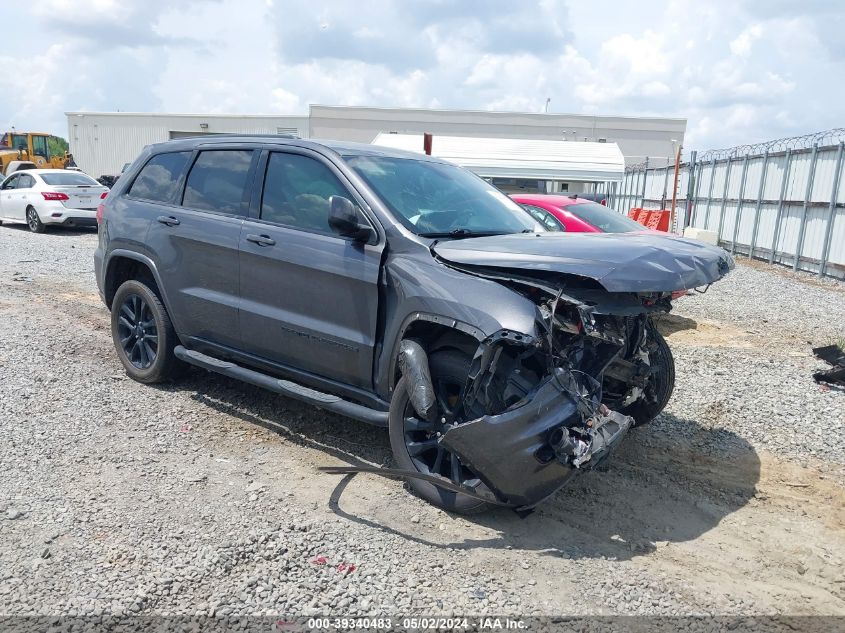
column 740, row 72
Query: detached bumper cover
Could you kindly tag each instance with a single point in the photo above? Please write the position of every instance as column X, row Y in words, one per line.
column 503, row 448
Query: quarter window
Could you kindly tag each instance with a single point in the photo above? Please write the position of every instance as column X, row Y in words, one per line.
column 297, row 191
column 217, row 181
column 159, row 177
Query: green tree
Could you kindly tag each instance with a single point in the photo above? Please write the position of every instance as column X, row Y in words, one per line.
column 56, row 146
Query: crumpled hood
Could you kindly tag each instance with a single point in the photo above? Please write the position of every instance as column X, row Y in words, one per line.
column 620, row 262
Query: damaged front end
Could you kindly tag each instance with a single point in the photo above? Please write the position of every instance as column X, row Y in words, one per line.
column 531, row 413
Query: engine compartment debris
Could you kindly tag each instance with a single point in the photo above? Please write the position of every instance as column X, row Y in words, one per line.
column 835, row 356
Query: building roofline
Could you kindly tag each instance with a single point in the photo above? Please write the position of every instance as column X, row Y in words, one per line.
column 504, row 112
column 190, row 115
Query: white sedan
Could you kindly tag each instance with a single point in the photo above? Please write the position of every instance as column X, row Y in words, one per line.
column 40, row 197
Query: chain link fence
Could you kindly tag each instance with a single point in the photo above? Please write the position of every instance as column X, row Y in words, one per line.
column 782, row 201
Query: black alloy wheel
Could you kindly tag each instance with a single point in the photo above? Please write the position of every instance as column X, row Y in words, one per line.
column 415, row 442
column 422, row 437
column 137, row 332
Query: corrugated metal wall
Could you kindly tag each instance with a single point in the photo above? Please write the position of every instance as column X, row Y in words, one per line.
column 101, row 143
column 769, row 205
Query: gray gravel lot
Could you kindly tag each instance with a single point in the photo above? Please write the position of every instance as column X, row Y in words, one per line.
column 202, row 496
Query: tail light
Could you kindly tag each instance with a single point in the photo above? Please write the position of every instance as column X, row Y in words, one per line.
column 101, row 208
column 677, row 294
column 54, row 195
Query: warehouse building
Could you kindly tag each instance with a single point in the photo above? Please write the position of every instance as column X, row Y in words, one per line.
column 102, row 142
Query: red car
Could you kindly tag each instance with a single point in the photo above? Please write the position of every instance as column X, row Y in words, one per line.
column 576, row 214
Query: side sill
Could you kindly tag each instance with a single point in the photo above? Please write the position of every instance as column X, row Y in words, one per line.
column 319, row 399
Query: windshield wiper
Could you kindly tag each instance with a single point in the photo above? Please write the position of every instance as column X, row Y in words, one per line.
column 459, row 233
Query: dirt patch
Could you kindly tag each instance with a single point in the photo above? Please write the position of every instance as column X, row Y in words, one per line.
column 684, row 331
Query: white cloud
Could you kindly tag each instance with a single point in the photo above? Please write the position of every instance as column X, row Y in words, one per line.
column 738, row 72
column 742, row 44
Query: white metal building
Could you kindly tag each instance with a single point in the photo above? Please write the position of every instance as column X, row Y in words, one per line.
column 509, row 162
column 102, row 142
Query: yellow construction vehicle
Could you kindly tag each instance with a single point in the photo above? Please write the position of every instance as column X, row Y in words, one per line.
column 30, row 146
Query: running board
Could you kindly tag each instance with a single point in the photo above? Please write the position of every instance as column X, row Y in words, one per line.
column 326, row 401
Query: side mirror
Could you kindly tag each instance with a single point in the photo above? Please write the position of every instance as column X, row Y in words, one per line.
column 345, row 220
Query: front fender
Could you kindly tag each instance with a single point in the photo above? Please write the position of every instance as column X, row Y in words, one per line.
column 420, row 290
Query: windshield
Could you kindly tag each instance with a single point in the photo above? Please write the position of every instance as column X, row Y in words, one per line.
column 439, row 200
column 69, row 179
column 604, row 218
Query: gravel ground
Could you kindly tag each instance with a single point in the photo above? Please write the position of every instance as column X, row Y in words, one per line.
column 202, row 497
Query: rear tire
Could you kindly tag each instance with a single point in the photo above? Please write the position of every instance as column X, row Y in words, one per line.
column 447, row 366
column 143, row 334
column 645, row 410
column 33, row 221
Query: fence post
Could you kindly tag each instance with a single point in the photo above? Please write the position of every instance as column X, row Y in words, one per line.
column 738, row 215
column 710, row 192
column 799, row 245
column 665, row 188
column 784, row 182
column 693, row 183
column 765, row 169
column 645, row 179
column 828, row 232
column 724, row 199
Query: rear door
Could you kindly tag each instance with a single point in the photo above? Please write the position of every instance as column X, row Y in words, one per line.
column 194, row 241
column 309, row 298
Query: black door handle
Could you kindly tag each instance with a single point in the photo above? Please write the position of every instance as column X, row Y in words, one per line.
column 169, row 220
column 261, row 240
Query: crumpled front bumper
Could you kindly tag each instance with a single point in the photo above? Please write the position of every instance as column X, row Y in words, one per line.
column 505, row 450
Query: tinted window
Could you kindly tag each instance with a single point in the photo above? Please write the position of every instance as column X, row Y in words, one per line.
column 26, row 182
column 158, row 179
column 218, row 180
column 545, row 218
column 70, row 179
column 297, row 191
column 437, row 200
column 11, row 182
column 604, row 218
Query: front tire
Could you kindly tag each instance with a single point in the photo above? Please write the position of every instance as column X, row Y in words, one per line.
column 33, row 221
column 143, row 334
column 448, row 372
column 660, row 389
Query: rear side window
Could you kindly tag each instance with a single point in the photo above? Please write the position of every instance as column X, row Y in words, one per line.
column 159, row 177
column 69, row 179
column 297, row 191
column 217, row 181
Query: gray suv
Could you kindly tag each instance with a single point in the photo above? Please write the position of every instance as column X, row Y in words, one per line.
column 400, row 290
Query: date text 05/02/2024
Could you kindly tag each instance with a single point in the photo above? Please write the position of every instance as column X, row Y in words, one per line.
column 417, row 623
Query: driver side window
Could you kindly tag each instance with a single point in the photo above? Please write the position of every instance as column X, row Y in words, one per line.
column 297, row 189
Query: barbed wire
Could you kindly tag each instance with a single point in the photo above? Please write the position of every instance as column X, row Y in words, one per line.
column 805, row 141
